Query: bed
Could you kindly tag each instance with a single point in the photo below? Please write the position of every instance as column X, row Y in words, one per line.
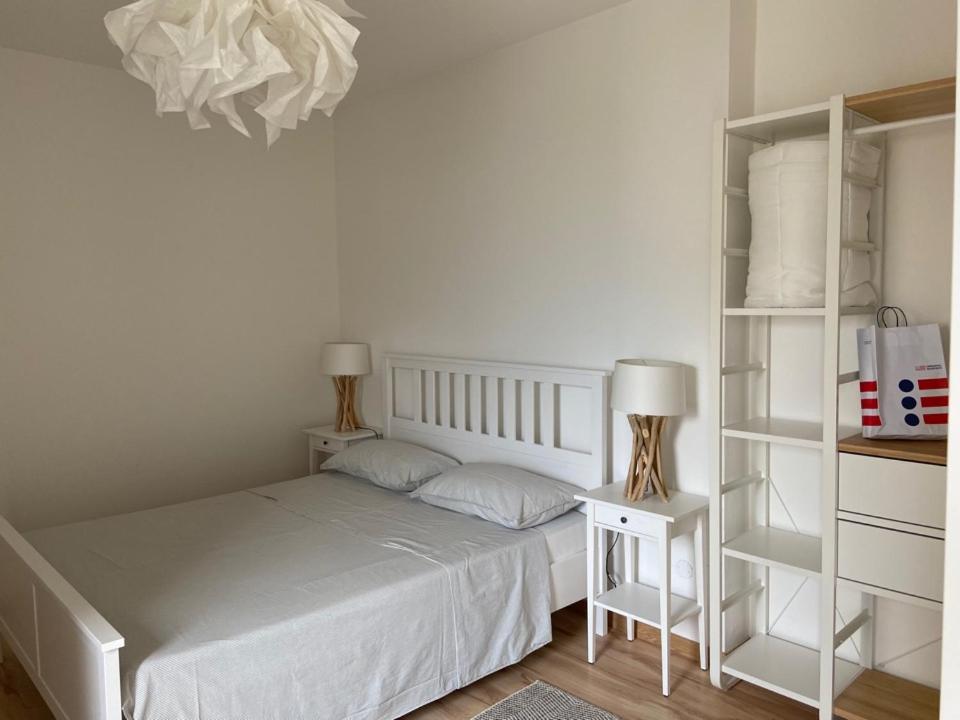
column 324, row 596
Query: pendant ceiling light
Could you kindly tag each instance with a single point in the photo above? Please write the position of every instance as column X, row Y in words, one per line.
column 284, row 57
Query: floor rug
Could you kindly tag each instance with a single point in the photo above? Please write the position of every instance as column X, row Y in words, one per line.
column 541, row 701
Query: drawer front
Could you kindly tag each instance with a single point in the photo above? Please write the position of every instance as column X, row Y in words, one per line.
column 328, row 444
column 898, row 561
column 623, row 520
column 906, row 491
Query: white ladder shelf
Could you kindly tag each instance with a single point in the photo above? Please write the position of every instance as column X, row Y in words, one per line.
column 743, row 421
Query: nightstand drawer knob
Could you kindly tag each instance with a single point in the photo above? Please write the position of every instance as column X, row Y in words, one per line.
column 623, row 519
column 326, row 442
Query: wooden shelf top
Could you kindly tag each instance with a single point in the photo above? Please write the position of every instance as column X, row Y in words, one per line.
column 933, row 452
column 878, row 696
column 934, row 97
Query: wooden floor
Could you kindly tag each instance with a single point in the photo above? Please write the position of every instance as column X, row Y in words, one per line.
column 19, row 700
column 879, row 696
column 625, row 680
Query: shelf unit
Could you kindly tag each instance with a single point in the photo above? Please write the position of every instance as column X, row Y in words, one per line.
column 747, row 432
column 782, row 549
column 921, row 101
column 799, row 433
column 744, row 417
column 641, row 602
column 784, row 667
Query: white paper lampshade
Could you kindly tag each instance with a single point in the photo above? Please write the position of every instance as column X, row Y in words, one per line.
column 649, row 387
column 345, row 359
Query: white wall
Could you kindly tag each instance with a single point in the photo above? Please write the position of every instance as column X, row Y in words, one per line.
column 806, row 51
column 547, row 203
column 743, row 47
column 950, row 671
column 163, row 297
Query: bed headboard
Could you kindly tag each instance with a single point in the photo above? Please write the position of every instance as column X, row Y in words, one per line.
column 549, row 420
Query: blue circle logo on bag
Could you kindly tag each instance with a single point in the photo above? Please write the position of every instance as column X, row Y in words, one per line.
column 934, row 405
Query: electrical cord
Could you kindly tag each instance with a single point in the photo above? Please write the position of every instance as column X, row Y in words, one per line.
column 611, row 579
column 376, row 432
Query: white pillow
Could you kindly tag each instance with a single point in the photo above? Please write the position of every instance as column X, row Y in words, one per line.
column 502, row 494
column 390, row 464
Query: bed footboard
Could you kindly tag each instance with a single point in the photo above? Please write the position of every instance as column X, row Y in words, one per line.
column 71, row 653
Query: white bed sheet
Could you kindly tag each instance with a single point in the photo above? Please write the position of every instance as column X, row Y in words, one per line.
column 324, row 597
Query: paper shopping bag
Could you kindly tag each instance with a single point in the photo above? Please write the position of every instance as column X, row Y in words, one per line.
column 903, row 382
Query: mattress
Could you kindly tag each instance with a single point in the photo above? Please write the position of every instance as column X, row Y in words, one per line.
column 565, row 536
column 566, row 540
column 323, row 597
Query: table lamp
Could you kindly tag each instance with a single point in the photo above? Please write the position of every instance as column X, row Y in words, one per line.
column 648, row 391
column 346, row 362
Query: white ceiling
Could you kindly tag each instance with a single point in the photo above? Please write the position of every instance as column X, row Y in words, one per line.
column 400, row 39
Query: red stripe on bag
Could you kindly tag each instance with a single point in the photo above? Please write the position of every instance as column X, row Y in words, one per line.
column 935, row 419
column 934, row 400
column 932, row 384
column 869, row 403
column 872, row 421
column 868, row 386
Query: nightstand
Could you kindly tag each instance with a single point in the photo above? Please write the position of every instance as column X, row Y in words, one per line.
column 325, row 441
column 656, row 522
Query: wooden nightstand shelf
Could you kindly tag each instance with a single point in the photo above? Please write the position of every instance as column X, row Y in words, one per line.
column 325, row 441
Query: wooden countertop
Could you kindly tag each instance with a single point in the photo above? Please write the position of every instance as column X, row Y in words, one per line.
column 933, row 452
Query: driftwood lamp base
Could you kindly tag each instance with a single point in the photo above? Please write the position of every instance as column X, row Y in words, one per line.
column 347, row 419
column 646, row 473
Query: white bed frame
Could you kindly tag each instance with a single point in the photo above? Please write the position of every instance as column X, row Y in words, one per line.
column 548, row 420
column 70, row 652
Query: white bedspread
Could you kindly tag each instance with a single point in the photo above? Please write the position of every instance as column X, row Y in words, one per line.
column 324, row 597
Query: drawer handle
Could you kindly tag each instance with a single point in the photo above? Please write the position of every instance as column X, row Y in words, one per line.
column 325, row 442
column 623, row 519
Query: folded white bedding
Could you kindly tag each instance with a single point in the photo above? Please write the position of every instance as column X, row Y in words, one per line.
column 324, row 597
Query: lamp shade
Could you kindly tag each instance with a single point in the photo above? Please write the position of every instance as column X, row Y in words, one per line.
column 345, row 359
column 649, row 387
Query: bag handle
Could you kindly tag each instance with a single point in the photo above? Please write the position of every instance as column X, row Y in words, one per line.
column 897, row 312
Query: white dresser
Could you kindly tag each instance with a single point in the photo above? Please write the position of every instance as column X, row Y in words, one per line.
column 891, row 517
